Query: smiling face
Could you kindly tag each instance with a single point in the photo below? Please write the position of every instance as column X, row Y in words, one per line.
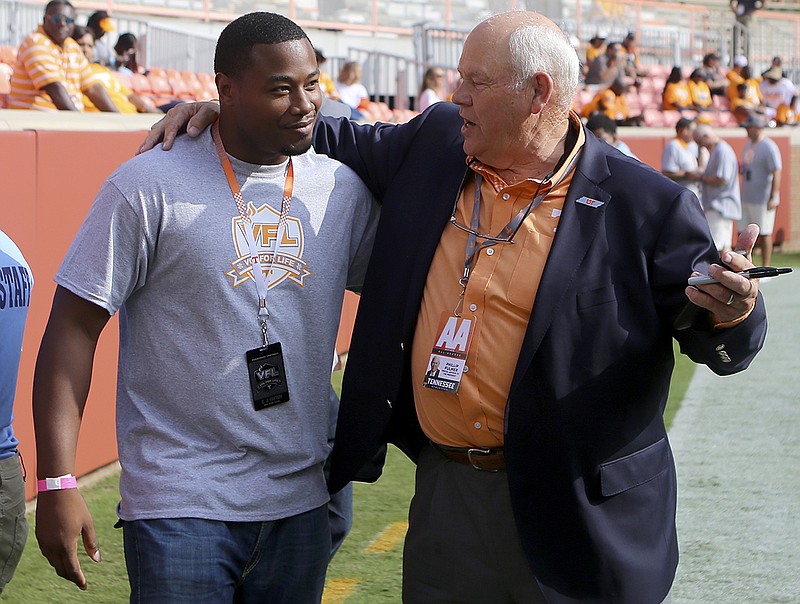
column 498, row 118
column 59, row 22
column 268, row 110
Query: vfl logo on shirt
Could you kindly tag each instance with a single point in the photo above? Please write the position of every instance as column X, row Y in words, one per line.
column 288, row 263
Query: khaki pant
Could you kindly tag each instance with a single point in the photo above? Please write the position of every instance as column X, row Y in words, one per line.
column 13, row 525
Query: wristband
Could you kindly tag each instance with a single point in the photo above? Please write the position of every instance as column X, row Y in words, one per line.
column 67, row 481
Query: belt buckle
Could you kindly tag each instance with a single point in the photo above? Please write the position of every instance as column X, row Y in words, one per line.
column 478, row 454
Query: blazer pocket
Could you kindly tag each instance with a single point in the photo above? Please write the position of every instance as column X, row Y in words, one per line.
column 596, row 297
column 635, row 469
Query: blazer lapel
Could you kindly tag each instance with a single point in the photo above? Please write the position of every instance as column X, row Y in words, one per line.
column 577, row 229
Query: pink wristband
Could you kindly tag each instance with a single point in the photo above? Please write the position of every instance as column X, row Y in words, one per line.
column 67, row 481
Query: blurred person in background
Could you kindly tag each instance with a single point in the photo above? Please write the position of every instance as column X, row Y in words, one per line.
column 126, row 60
column 126, row 100
column 714, row 74
column 433, row 89
column 99, row 23
column 780, row 94
column 326, row 84
column 676, row 95
column 699, row 91
column 604, row 128
column 350, row 90
column 722, row 200
column 51, row 72
column 762, row 168
column 680, row 159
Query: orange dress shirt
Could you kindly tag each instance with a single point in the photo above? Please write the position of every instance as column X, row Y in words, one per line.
column 500, row 296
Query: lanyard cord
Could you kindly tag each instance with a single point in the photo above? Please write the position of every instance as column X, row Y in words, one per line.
column 259, row 277
column 506, row 235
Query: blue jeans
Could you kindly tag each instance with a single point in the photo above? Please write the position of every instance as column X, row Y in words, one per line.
column 195, row 561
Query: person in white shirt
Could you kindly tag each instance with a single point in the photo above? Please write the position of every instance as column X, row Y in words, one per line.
column 350, row 89
column 434, row 88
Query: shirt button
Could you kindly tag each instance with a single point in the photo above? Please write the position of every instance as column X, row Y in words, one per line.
column 506, row 196
column 490, row 251
column 473, row 307
column 477, row 425
column 402, row 346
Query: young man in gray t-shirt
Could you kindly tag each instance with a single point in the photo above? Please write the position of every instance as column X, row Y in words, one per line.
column 227, row 260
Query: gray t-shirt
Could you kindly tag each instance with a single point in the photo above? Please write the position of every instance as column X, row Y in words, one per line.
column 678, row 156
column 725, row 198
column 759, row 161
column 163, row 244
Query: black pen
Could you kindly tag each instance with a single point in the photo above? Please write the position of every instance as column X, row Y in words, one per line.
column 757, row 272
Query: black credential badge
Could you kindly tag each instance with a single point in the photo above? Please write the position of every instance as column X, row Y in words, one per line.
column 267, row 376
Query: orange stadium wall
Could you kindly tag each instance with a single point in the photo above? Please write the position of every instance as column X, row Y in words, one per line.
column 50, row 177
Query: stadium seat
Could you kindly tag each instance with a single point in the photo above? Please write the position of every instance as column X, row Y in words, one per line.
column 161, row 91
column 140, row 84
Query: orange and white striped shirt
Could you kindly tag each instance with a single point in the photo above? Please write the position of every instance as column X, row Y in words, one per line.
column 40, row 62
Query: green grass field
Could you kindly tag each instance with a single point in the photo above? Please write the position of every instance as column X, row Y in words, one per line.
column 365, row 571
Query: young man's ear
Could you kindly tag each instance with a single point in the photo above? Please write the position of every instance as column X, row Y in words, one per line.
column 225, row 87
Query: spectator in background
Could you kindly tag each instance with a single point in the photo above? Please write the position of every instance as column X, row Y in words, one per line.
column 125, row 49
column 350, row 90
column 123, row 97
column 612, row 102
column 680, row 159
column 722, row 201
column 604, row 128
column 596, row 48
column 433, row 89
column 676, row 95
column 776, row 62
column 326, row 84
column 607, row 67
column 777, row 92
column 633, row 65
column 711, row 68
column 743, row 107
column 16, row 281
column 734, row 75
column 699, row 91
column 99, row 23
column 51, row 72
column 761, row 184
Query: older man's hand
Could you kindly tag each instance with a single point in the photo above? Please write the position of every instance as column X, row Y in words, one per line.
column 194, row 117
column 734, row 296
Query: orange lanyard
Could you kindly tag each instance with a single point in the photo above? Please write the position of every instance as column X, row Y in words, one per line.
column 260, row 278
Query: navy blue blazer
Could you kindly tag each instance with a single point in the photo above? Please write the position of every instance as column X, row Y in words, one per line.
column 590, row 469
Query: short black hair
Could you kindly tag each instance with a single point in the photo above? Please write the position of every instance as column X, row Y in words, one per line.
column 94, row 19
column 600, row 121
column 238, row 38
column 54, row 3
column 683, row 123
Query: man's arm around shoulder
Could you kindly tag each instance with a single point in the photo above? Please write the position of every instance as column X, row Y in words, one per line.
column 61, row 385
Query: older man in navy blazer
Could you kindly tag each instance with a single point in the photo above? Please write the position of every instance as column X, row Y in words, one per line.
column 548, row 273
column 587, row 461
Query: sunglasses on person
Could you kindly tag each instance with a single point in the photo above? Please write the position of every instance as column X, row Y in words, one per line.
column 61, row 20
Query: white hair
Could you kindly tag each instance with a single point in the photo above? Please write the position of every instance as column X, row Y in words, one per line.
column 537, row 48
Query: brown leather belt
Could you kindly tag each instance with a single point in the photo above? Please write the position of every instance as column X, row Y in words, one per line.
column 487, row 460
